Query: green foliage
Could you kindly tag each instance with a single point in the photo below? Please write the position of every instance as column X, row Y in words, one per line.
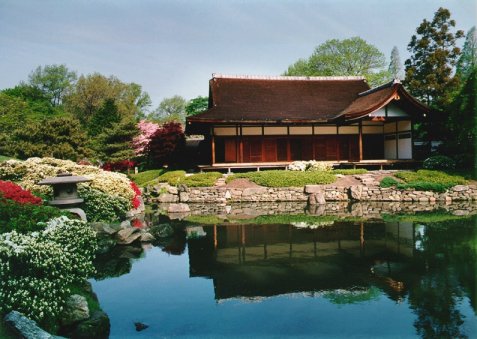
column 428, row 180
column 434, row 53
column 142, row 178
column 388, row 182
column 173, row 178
column 4, row 158
column 467, row 62
column 279, row 178
column 357, row 295
column 60, row 137
column 170, row 109
column 25, row 218
column 115, row 143
column 197, row 105
column 100, row 206
column 423, row 217
column 54, row 81
column 36, row 269
column 439, row 162
column 350, row 171
column 353, row 56
column 201, row 179
column 395, row 66
column 105, row 117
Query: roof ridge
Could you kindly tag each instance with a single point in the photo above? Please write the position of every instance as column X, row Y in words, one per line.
column 284, row 77
column 375, row 89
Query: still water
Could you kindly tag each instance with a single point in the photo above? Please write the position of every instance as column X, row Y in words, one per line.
column 330, row 279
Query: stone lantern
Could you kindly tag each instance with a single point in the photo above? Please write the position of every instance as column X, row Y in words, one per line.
column 65, row 192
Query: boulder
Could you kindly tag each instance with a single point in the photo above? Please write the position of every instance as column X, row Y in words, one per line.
column 355, row 192
column 167, row 198
column 76, row 309
column 184, row 197
column 313, row 189
column 147, row 237
column 127, row 236
column 460, row 188
column 178, row 208
column 97, row 327
column 317, row 198
column 26, row 328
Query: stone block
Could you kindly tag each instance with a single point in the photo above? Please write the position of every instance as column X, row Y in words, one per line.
column 313, row 189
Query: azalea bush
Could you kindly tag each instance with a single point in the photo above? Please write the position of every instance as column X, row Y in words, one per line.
column 311, row 165
column 37, row 268
column 100, row 206
column 11, row 191
column 116, row 186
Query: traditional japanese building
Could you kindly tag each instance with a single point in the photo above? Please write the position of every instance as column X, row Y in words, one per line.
column 285, row 118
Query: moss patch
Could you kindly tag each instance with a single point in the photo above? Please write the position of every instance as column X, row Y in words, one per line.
column 279, row 178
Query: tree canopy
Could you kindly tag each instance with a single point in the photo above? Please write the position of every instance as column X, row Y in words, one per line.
column 197, row 105
column 395, row 66
column 54, row 81
column 170, row 109
column 352, row 57
column 468, row 58
column 434, row 53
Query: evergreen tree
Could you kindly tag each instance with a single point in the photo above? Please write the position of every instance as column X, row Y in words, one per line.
column 468, row 58
column 395, row 67
column 115, row 143
column 433, row 55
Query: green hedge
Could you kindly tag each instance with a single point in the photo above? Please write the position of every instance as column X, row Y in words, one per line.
column 388, row 182
column 175, row 178
column 143, row 178
column 350, row 171
column 279, row 178
column 428, row 180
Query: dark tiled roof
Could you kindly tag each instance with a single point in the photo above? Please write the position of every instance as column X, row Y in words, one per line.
column 311, row 99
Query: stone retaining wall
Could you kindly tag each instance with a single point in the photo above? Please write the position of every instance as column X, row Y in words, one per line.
column 314, row 194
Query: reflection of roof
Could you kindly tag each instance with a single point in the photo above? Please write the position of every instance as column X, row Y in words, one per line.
column 296, row 99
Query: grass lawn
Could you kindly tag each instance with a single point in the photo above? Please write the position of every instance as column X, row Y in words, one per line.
column 144, row 178
column 428, row 180
column 3, row 158
column 277, row 178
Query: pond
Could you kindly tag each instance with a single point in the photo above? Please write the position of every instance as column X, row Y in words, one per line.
column 296, row 277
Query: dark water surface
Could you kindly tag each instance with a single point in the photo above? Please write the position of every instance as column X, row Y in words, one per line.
column 335, row 279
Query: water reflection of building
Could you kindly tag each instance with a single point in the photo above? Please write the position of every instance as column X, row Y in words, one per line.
column 265, row 260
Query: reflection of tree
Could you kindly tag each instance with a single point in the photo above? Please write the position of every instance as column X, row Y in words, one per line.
column 448, row 263
column 116, row 262
column 352, row 296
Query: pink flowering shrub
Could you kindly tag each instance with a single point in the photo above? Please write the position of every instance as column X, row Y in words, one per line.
column 147, row 129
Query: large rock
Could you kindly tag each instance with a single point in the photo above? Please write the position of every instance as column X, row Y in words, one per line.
column 25, row 328
column 355, row 192
column 178, row 208
column 317, row 198
column 128, row 235
column 313, row 188
column 184, row 197
column 460, row 188
column 167, row 198
column 97, row 327
column 76, row 310
column 147, row 237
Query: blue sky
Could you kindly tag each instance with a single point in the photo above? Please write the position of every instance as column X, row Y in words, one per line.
column 173, row 47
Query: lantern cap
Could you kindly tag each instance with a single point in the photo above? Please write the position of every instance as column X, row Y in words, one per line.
column 63, row 178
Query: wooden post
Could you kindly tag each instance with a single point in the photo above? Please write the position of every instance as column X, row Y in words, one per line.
column 215, row 237
column 213, row 149
column 241, row 146
column 360, row 141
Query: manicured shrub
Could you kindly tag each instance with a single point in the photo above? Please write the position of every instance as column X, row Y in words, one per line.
column 424, row 186
column 439, row 162
column 100, row 206
column 36, row 269
column 173, row 178
column 11, row 191
column 27, row 217
column 350, row 171
column 279, row 178
column 427, row 180
column 388, row 182
column 145, row 177
column 201, row 179
column 311, row 165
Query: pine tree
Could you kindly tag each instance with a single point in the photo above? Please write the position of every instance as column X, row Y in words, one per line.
column 468, row 58
column 115, row 143
column 395, row 66
column 433, row 55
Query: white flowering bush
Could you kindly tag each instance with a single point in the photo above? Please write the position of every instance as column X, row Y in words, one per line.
column 100, row 206
column 28, row 173
column 36, row 269
column 311, row 165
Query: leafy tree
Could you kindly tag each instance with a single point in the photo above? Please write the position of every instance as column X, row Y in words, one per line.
column 93, row 91
column 60, row 137
column 165, row 143
column 433, row 55
column 13, row 112
column 170, row 109
column 197, row 105
column 114, row 144
column 395, row 67
column 468, row 58
column 53, row 80
column 353, row 56
column 462, row 130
